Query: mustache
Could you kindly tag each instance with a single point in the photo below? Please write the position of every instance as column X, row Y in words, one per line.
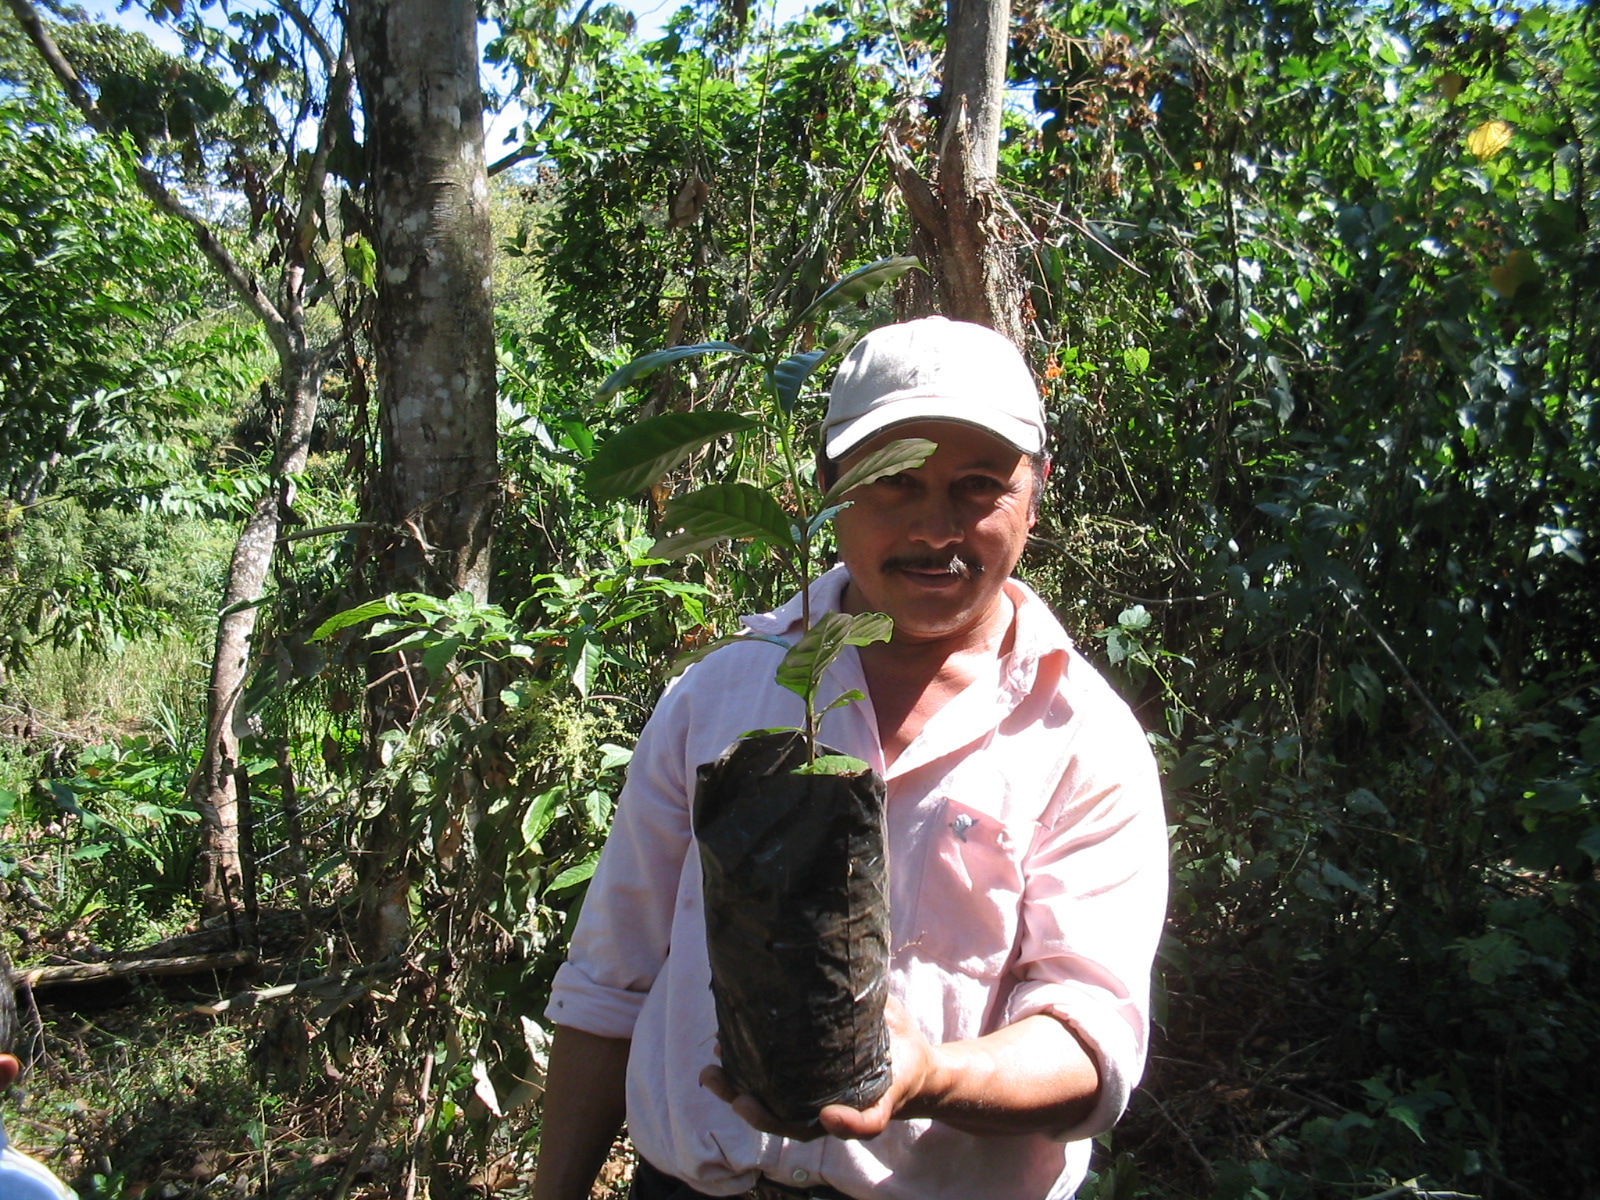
column 953, row 563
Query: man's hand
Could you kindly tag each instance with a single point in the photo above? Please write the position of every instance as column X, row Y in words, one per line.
column 1030, row 1077
column 910, row 1056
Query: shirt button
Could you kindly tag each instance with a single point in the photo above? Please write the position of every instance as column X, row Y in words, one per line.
column 800, row 1175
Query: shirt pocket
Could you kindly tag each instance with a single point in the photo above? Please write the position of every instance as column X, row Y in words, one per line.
column 967, row 907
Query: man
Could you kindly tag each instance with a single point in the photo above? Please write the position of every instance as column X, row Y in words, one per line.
column 1027, row 852
column 20, row 1177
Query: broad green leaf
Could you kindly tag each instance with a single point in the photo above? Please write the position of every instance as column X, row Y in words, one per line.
column 647, row 363
column 573, row 876
column 613, row 755
column 789, row 376
column 802, row 668
column 718, row 513
column 689, row 657
column 860, row 282
column 850, row 697
column 538, row 818
column 905, row 454
column 833, row 764
column 866, row 628
column 641, row 454
column 583, row 660
column 381, row 607
column 437, row 656
column 823, row 517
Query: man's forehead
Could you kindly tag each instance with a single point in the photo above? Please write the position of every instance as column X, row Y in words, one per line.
column 958, row 443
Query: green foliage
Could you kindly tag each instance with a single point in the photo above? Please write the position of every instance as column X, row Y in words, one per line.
column 722, row 511
column 1329, row 280
column 91, row 283
column 1313, row 292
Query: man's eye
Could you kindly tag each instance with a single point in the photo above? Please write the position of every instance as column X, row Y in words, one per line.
column 979, row 483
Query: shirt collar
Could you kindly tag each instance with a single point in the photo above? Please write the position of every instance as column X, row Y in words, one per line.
column 1038, row 634
column 827, row 594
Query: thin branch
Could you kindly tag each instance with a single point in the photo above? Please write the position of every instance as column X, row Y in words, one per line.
column 310, row 32
column 323, row 530
column 338, row 104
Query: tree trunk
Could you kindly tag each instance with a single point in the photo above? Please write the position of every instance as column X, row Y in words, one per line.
column 960, row 231
column 300, row 370
column 417, row 65
column 214, row 787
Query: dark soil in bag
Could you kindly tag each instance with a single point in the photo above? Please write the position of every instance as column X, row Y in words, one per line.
column 797, row 924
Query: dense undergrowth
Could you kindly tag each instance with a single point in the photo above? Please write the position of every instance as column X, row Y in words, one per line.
column 1314, row 304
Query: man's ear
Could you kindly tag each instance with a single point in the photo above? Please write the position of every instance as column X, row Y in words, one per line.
column 10, row 1068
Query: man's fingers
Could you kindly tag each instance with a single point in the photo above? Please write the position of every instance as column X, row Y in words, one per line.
column 715, row 1080
column 858, row 1124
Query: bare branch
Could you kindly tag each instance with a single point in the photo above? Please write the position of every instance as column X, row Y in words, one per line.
column 338, row 103
column 310, row 32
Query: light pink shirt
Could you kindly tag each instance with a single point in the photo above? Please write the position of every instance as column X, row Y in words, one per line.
column 1028, row 874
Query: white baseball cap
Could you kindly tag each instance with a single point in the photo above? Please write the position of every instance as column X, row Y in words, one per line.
column 933, row 369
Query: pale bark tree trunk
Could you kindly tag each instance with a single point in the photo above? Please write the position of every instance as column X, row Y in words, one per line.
column 959, row 217
column 417, row 64
column 215, row 784
column 300, row 369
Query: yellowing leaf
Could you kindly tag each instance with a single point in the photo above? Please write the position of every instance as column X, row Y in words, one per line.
column 1451, row 83
column 1489, row 139
column 1518, row 269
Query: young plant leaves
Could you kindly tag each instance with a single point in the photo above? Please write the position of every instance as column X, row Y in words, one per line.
column 902, row 455
column 384, row 606
column 789, row 376
column 833, row 764
column 639, row 455
column 689, row 657
column 801, row 669
column 719, row 512
column 646, row 363
column 860, row 282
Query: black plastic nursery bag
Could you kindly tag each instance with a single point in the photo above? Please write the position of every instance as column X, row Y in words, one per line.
column 797, row 925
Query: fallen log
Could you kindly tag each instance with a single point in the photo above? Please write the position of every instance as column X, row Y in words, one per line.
column 190, row 964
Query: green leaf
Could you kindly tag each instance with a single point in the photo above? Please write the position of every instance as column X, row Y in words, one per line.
column 789, row 376
column 802, row 668
column 833, row 764
column 538, row 818
column 823, row 517
column 383, row 606
column 903, row 454
column 647, row 363
column 850, row 697
column 573, row 876
column 641, row 454
column 719, row 512
column 584, row 657
column 859, row 283
column 689, row 657
column 437, row 656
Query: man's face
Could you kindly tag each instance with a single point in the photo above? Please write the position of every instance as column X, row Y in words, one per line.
column 933, row 547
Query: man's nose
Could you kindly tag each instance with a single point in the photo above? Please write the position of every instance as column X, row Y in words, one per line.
column 935, row 522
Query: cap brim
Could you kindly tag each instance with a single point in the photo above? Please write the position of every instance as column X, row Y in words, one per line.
column 1021, row 436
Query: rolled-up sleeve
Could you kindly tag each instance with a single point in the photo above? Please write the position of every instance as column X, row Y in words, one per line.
column 624, row 931
column 1093, row 906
